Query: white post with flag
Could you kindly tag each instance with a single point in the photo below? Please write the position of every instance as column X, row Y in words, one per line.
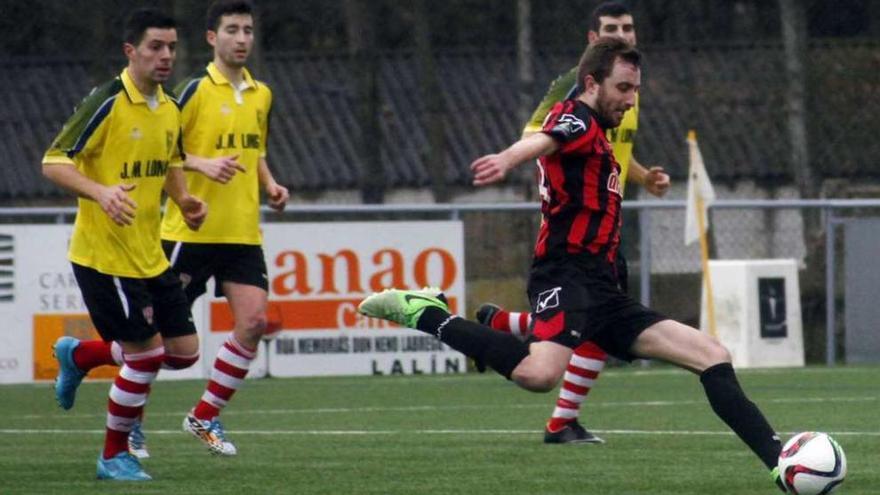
column 699, row 196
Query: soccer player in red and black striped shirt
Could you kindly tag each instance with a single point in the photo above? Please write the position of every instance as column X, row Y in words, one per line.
column 572, row 286
column 609, row 18
column 580, row 184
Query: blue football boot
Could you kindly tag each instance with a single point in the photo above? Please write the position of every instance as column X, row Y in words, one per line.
column 121, row 467
column 69, row 376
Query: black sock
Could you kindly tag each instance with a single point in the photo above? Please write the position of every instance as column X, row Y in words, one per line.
column 499, row 350
column 742, row 416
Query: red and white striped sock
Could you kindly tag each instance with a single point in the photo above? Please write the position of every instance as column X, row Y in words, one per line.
column 128, row 396
column 583, row 369
column 511, row 322
column 230, row 368
column 91, row 354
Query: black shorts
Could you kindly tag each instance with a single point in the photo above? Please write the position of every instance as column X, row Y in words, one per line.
column 134, row 309
column 579, row 298
column 195, row 263
column 622, row 273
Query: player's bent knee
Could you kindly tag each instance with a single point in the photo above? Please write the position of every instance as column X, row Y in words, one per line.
column 716, row 353
column 722, row 355
column 179, row 362
column 256, row 325
column 535, row 379
column 185, row 345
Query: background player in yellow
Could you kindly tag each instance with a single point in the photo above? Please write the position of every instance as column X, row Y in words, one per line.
column 615, row 20
column 608, row 19
column 225, row 113
column 117, row 152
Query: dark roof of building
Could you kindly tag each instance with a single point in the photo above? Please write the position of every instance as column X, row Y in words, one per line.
column 734, row 96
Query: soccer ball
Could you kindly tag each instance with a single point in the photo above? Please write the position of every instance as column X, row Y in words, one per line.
column 812, row 463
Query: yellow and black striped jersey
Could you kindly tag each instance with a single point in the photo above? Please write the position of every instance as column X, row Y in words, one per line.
column 220, row 120
column 116, row 136
column 621, row 137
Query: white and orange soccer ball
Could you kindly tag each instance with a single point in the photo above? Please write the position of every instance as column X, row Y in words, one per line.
column 812, row 463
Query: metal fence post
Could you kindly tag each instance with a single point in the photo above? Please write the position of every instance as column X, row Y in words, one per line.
column 830, row 275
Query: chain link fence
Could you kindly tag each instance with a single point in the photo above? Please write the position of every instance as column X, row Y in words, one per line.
column 663, row 272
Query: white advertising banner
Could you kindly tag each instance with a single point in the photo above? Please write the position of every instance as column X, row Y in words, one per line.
column 40, row 301
column 319, row 272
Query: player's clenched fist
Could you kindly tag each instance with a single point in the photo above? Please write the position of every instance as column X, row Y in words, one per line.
column 277, row 196
column 194, row 211
column 657, row 181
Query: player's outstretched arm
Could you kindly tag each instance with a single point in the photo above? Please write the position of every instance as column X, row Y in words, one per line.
column 194, row 210
column 493, row 168
column 220, row 169
column 277, row 194
column 653, row 179
column 114, row 200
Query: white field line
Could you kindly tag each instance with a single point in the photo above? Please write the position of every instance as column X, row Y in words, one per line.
column 56, row 431
column 461, row 407
column 610, row 373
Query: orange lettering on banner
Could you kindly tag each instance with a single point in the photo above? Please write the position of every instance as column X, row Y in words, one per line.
column 420, row 270
column 393, row 275
column 328, row 271
column 48, row 328
column 294, row 280
column 320, row 314
column 389, row 270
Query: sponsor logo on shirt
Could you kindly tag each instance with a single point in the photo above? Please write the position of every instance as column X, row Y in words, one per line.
column 143, row 168
column 614, row 182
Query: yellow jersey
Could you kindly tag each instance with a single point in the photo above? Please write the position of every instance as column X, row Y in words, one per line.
column 220, row 120
column 621, row 137
column 116, row 136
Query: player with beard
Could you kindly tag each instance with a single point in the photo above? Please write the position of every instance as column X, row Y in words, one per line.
column 609, row 19
column 572, row 286
column 225, row 114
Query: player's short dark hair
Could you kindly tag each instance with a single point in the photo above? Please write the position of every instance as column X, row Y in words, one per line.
column 599, row 57
column 607, row 9
column 226, row 7
column 137, row 23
